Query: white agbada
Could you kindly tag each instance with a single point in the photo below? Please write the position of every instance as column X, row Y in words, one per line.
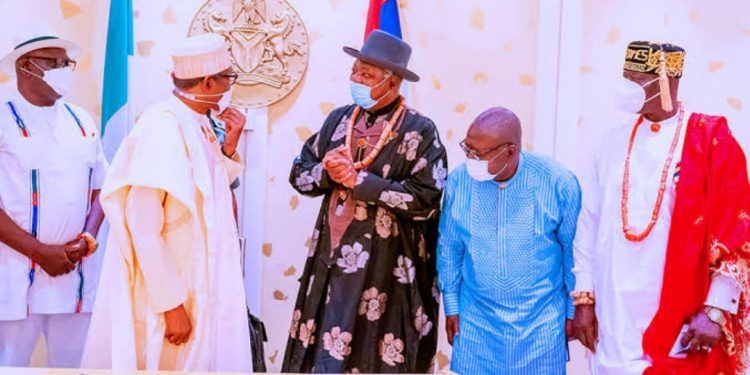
column 192, row 257
column 625, row 276
column 58, row 157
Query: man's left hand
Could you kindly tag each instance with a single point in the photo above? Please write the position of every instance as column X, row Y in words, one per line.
column 234, row 121
column 340, row 168
column 342, row 171
column 76, row 250
column 702, row 334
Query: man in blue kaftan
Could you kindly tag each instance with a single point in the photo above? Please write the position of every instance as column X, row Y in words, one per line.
column 505, row 254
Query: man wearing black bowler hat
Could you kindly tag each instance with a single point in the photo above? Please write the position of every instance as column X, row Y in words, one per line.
column 367, row 300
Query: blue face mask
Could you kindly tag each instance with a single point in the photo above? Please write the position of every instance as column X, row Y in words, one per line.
column 362, row 95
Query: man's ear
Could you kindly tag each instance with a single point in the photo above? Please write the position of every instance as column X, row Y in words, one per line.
column 22, row 65
column 207, row 84
column 394, row 81
column 514, row 150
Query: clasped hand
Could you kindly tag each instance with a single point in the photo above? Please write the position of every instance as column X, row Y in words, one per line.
column 340, row 167
column 57, row 260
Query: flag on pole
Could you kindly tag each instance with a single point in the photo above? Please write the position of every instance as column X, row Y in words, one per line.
column 383, row 15
column 116, row 119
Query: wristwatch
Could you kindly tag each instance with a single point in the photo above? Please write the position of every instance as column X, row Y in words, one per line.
column 716, row 315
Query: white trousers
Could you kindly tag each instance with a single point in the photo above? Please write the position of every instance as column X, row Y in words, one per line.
column 65, row 335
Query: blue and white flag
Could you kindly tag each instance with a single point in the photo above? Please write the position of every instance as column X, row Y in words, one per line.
column 116, row 118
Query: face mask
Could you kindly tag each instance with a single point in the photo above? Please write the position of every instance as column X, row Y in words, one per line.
column 480, row 169
column 630, row 97
column 223, row 102
column 362, row 95
column 60, row 80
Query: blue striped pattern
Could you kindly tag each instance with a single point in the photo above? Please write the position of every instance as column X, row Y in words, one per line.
column 79, row 296
column 88, row 193
column 504, row 265
column 19, row 121
column 34, row 217
column 81, row 279
column 75, row 117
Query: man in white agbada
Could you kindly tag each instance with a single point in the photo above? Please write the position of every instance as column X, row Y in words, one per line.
column 51, row 170
column 174, row 297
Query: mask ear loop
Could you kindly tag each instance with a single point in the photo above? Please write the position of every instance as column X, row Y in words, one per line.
column 643, row 86
column 34, row 74
column 195, row 97
column 495, row 157
column 649, row 82
column 653, row 97
column 387, row 92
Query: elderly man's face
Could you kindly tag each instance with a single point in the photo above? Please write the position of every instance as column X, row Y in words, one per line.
column 41, row 60
column 33, row 65
column 219, row 83
column 495, row 147
column 372, row 76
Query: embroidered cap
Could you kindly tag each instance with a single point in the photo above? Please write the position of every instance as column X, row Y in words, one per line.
column 201, row 56
column 645, row 57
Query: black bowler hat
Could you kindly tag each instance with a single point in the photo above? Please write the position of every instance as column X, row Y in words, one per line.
column 386, row 51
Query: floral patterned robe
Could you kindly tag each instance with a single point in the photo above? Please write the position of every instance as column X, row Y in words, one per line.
column 369, row 302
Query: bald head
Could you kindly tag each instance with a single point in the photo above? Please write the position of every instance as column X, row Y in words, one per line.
column 496, row 125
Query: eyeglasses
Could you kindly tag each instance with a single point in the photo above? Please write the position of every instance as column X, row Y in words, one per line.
column 479, row 155
column 49, row 63
column 232, row 77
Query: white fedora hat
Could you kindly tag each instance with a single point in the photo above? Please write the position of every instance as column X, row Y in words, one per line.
column 33, row 40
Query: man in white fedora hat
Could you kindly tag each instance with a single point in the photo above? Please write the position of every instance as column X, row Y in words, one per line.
column 52, row 170
column 174, row 291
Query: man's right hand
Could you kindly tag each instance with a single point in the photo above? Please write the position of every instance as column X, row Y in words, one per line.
column 76, row 250
column 451, row 327
column 586, row 326
column 53, row 259
column 338, row 165
column 179, row 327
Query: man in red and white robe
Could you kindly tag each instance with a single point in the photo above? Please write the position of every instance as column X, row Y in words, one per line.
column 662, row 246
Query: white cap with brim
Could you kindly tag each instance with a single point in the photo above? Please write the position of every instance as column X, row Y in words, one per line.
column 201, row 56
column 24, row 45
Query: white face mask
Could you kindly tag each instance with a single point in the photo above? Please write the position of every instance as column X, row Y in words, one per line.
column 224, row 102
column 60, row 80
column 480, row 169
column 630, row 97
column 362, row 94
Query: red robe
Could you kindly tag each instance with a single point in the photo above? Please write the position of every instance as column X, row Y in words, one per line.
column 710, row 232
